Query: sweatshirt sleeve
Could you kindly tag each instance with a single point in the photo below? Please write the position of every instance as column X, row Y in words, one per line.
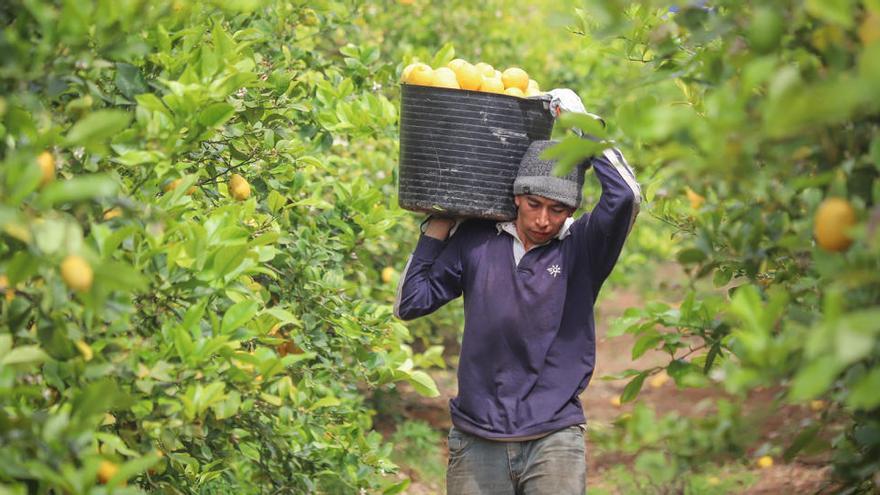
column 608, row 225
column 431, row 278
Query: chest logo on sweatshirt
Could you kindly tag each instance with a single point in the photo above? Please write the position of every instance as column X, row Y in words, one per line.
column 554, row 270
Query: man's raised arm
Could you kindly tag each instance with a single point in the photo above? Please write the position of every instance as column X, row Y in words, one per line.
column 611, row 220
column 432, row 276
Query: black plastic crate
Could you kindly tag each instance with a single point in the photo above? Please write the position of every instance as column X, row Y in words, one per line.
column 460, row 150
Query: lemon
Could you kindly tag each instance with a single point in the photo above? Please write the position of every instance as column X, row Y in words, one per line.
column 239, row 187
column 406, row 71
column 514, row 92
column 170, row 186
column 468, row 77
column 4, row 286
column 444, row 77
column 834, row 217
column 387, row 274
column 659, row 380
column 420, row 74
column 485, row 69
column 765, row 462
column 106, row 471
column 47, row 167
column 77, row 273
column 113, row 213
column 515, row 77
column 695, row 199
column 456, row 63
column 492, row 85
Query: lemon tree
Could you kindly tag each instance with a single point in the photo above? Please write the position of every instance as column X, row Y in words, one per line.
column 192, row 198
column 754, row 126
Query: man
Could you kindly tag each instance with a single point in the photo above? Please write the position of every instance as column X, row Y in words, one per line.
column 528, row 348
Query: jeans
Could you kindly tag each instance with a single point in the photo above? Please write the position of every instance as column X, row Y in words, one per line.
column 553, row 465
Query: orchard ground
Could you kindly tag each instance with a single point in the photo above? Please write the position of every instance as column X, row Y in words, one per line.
column 607, row 467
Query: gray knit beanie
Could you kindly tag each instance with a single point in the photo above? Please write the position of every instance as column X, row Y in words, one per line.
column 536, row 177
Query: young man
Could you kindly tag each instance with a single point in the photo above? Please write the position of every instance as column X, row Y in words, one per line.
column 528, row 348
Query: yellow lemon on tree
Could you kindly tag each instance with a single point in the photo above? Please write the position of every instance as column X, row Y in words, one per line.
column 456, row 63
column 765, row 462
column 515, row 77
column 4, row 286
column 659, row 380
column 387, row 274
column 421, row 74
column 113, row 213
column 176, row 182
column 485, row 69
column 492, row 85
column 444, row 77
column 239, row 187
column 77, row 273
column 695, row 199
column 514, row 92
column 106, row 471
column 468, row 77
column 47, row 167
column 834, row 217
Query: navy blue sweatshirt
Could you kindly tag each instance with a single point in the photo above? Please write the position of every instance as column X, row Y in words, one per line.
column 529, row 344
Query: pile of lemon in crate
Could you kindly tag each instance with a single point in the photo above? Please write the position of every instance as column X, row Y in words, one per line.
column 460, row 74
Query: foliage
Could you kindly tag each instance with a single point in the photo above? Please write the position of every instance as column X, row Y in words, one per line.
column 761, row 109
column 667, row 451
column 223, row 346
column 418, row 446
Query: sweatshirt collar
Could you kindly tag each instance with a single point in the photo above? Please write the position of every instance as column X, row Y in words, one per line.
column 510, row 228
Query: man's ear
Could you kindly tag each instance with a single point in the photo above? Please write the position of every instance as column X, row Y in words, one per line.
column 517, row 200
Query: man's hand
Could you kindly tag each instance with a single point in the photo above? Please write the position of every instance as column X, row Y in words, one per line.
column 566, row 100
column 439, row 227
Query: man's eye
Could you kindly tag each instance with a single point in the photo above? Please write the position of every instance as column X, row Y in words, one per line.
column 558, row 211
column 533, row 204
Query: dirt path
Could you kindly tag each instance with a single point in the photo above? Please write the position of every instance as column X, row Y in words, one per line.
column 613, row 356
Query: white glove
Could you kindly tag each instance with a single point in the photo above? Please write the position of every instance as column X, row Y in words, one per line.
column 566, row 100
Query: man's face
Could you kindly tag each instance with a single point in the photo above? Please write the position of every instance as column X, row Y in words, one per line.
column 539, row 219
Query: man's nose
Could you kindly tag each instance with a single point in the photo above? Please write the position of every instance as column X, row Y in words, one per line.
column 543, row 219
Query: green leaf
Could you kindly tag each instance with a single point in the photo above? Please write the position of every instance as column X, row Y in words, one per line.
column 814, row 379
column 78, row 189
column 833, row 11
column 216, row 114
column 423, row 383
column 443, row 56
column 328, row 401
column 646, row 342
column 129, row 80
column 397, row 488
column 864, row 392
column 690, row 256
column 632, row 389
column 282, row 315
column 26, row 354
column 237, row 315
column 98, row 126
column 802, row 440
column 227, row 407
